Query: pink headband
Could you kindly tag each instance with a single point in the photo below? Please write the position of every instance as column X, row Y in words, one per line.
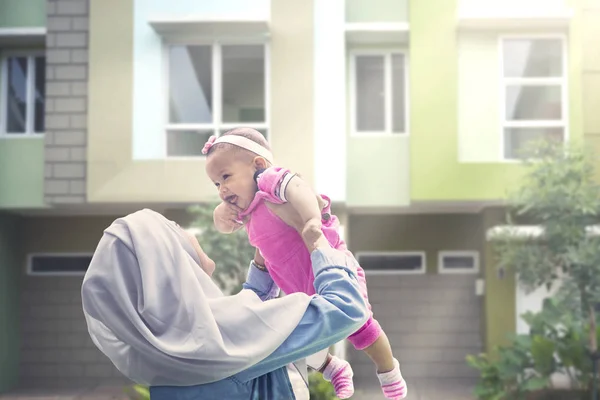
column 242, row 142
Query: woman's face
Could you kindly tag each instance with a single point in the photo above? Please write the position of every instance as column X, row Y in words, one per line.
column 206, row 263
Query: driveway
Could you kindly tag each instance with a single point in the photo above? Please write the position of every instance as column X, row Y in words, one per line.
column 439, row 389
column 98, row 393
column 418, row 390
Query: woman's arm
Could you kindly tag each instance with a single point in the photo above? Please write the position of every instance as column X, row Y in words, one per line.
column 261, row 283
column 337, row 311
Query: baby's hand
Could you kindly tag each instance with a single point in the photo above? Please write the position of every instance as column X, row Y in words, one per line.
column 313, row 235
column 226, row 218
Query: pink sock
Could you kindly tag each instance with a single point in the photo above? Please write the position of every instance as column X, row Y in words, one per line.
column 340, row 374
column 392, row 383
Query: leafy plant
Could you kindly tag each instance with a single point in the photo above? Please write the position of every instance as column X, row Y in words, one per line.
column 319, row 388
column 138, row 392
column 556, row 343
column 232, row 252
column 559, row 192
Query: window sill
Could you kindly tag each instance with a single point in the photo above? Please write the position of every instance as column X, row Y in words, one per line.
column 369, row 135
column 22, row 136
column 188, row 28
column 22, row 37
column 377, row 33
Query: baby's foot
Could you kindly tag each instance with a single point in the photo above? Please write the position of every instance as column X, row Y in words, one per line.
column 340, row 374
column 393, row 385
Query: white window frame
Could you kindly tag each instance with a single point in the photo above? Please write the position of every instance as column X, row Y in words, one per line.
column 30, row 256
column 387, row 54
column 461, row 253
column 562, row 81
column 30, row 117
column 421, row 271
column 217, row 125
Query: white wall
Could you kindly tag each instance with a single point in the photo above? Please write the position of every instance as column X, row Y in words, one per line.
column 330, row 98
column 530, row 302
column 533, row 301
column 479, row 134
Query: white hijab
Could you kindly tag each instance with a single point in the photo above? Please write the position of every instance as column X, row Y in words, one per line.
column 161, row 320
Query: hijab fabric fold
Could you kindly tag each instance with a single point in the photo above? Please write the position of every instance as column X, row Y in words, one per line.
column 160, row 318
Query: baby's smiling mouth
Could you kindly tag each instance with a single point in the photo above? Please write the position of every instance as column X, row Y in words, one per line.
column 232, row 199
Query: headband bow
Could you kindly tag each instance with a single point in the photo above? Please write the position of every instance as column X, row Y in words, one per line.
column 209, row 143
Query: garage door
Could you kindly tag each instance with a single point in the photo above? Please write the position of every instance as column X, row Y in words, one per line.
column 56, row 349
column 432, row 321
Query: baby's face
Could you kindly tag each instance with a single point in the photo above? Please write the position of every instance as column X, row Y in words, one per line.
column 233, row 176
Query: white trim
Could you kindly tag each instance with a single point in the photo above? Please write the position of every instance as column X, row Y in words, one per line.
column 22, row 31
column 534, row 124
column 217, row 87
column 377, row 32
column 527, row 232
column 166, row 88
column 386, row 54
column 211, row 127
column 3, row 94
column 267, row 124
column 453, row 253
column 388, row 116
column 30, row 55
column 30, row 96
column 65, row 255
column 420, row 271
column 377, row 27
column 527, row 81
column 192, row 28
column 217, row 92
column 562, row 82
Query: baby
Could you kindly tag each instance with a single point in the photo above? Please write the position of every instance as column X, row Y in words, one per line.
column 285, row 221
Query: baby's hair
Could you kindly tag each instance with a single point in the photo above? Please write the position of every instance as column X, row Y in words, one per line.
column 248, row 133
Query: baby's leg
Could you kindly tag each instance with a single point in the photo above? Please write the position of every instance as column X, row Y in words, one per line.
column 339, row 373
column 373, row 340
column 380, row 352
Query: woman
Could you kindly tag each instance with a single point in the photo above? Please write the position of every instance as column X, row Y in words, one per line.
column 152, row 308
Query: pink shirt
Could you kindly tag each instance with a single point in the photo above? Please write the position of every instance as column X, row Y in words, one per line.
column 286, row 256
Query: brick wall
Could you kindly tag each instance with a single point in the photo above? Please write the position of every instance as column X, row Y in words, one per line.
column 56, row 349
column 66, row 101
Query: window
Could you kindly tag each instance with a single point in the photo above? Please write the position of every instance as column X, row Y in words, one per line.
column 395, row 262
column 214, row 88
column 58, row 264
column 458, row 262
column 379, row 94
column 22, row 94
column 534, row 91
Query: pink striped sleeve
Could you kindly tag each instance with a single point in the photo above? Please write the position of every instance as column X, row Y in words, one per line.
column 273, row 182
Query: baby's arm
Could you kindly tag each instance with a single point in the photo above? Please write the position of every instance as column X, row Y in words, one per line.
column 282, row 186
column 305, row 201
column 225, row 217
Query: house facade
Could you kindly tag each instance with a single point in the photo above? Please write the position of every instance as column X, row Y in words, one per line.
column 409, row 115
